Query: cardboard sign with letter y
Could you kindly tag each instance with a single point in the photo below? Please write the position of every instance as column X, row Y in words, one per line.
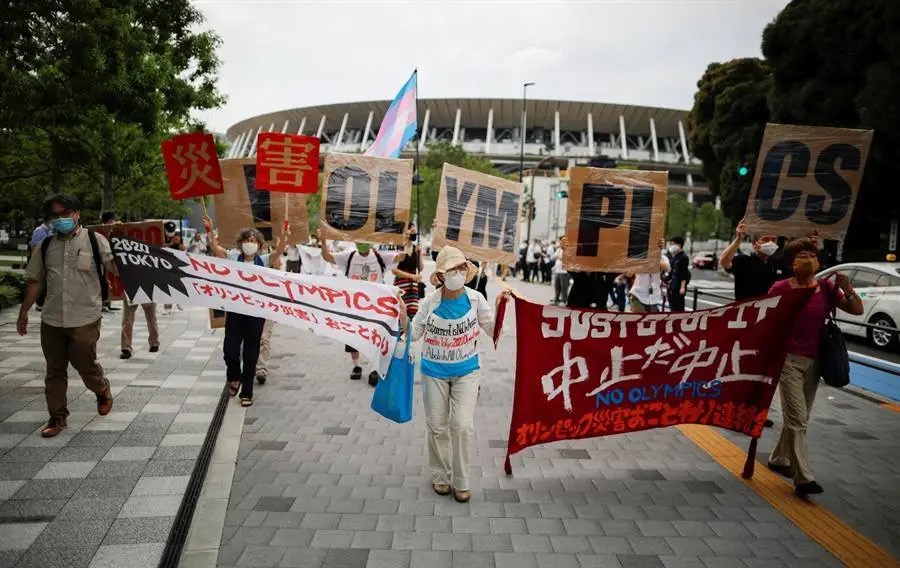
column 615, row 220
column 478, row 214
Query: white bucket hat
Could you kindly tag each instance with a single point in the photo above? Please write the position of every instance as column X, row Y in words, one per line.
column 450, row 258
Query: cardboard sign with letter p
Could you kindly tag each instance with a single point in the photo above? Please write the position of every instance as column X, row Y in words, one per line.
column 366, row 199
column 478, row 214
column 807, row 179
column 615, row 220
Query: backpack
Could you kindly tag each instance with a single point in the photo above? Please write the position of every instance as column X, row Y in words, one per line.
column 377, row 257
column 98, row 263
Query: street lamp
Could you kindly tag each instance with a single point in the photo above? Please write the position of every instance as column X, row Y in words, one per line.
column 522, row 149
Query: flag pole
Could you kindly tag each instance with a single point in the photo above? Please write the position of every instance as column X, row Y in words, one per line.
column 417, row 177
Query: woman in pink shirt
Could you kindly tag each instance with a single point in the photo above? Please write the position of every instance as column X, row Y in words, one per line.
column 800, row 375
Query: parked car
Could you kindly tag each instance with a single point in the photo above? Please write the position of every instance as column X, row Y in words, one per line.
column 878, row 285
column 706, row 260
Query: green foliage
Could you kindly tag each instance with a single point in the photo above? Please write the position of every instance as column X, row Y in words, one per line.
column 678, row 215
column 837, row 63
column 726, row 125
column 709, row 223
column 12, row 288
column 90, row 90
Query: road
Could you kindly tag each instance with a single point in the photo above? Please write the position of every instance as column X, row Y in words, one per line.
column 714, row 284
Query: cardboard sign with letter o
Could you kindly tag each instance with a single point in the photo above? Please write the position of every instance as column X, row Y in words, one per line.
column 807, row 179
column 615, row 220
column 366, row 199
column 478, row 214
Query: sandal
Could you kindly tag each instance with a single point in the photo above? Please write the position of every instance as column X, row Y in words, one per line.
column 233, row 388
column 245, row 402
column 462, row 496
column 441, row 488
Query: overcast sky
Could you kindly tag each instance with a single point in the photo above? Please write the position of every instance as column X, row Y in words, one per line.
column 279, row 54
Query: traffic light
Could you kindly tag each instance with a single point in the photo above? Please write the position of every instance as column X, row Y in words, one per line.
column 743, row 171
column 562, row 194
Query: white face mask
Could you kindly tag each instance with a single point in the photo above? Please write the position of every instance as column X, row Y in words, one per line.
column 674, row 249
column 249, row 249
column 454, row 280
column 768, row 248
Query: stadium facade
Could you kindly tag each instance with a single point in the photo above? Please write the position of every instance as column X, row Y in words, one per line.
column 558, row 136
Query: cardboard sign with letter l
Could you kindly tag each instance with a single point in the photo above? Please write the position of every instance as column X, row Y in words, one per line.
column 366, row 199
column 807, row 179
column 615, row 220
column 478, row 214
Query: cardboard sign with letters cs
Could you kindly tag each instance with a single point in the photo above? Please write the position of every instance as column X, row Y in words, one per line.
column 807, row 179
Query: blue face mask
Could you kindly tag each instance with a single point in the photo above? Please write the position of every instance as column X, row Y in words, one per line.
column 63, row 225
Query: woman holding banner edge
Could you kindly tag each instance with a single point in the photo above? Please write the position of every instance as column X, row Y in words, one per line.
column 448, row 321
column 243, row 333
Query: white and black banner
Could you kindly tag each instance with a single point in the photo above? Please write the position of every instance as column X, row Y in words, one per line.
column 363, row 315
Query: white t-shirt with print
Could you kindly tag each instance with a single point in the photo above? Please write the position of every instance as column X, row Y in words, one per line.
column 365, row 267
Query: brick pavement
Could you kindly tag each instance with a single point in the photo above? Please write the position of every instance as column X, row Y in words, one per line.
column 104, row 492
column 321, row 480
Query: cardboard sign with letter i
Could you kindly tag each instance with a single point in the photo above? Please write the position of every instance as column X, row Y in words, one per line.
column 615, row 220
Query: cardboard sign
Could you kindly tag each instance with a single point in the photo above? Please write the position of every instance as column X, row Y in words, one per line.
column 287, row 162
column 615, row 220
column 807, row 179
column 478, row 214
column 150, row 232
column 243, row 205
column 192, row 165
column 216, row 319
column 366, row 199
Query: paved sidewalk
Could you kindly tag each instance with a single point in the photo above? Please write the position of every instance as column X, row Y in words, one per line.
column 105, row 491
column 321, row 480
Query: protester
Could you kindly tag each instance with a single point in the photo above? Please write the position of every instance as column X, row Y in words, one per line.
column 560, row 276
column 68, row 276
column 408, row 274
column 800, row 377
column 534, row 259
column 451, row 316
column 522, row 262
column 680, row 274
column 754, row 274
column 293, row 258
column 646, row 292
column 243, row 333
column 361, row 263
column 590, row 290
column 265, row 342
column 40, row 233
column 172, row 240
column 197, row 244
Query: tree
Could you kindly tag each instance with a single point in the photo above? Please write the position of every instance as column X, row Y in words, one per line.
column 97, row 85
column 709, row 223
column 678, row 216
column 726, row 124
column 837, row 63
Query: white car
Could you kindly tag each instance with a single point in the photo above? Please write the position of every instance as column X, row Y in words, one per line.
column 878, row 285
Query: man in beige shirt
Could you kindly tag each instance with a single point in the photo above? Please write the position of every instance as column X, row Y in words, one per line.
column 65, row 270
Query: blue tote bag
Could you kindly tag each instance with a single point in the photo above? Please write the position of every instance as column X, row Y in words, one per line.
column 393, row 396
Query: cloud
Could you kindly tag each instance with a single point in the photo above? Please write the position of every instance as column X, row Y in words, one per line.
column 285, row 54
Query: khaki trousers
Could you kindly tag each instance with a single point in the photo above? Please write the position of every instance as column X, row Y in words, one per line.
column 262, row 365
column 450, row 421
column 128, row 324
column 75, row 345
column 798, row 385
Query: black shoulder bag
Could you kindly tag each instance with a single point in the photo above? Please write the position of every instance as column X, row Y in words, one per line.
column 834, row 362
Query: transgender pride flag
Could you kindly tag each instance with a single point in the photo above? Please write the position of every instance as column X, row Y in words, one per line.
column 399, row 124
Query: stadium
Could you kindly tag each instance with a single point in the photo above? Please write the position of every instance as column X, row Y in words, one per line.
column 558, row 136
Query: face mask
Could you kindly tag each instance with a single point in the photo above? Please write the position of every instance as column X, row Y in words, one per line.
column 64, row 225
column 249, row 248
column 454, row 280
column 674, row 249
column 362, row 249
column 768, row 248
column 413, row 237
column 806, row 266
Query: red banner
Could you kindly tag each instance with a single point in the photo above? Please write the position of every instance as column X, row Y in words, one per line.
column 192, row 165
column 287, row 162
column 585, row 373
column 150, row 232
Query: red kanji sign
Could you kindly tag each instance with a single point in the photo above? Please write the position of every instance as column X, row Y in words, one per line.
column 192, row 165
column 287, row 162
column 585, row 373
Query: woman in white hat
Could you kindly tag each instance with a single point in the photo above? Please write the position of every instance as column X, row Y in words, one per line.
column 450, row 320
